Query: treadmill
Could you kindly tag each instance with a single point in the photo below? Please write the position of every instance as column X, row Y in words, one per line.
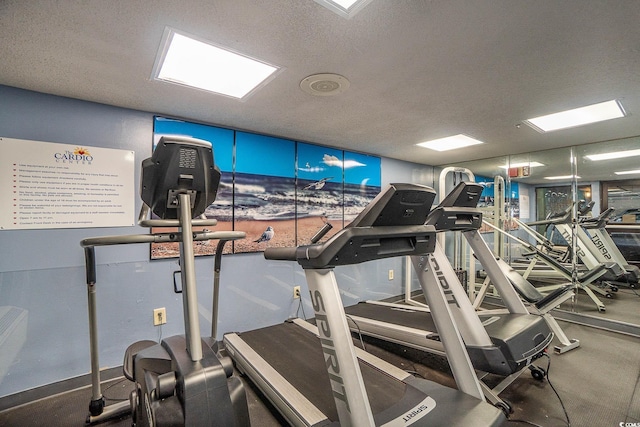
column 608, row 250
column 591, row 270
column 315, row 376
column 502, row 343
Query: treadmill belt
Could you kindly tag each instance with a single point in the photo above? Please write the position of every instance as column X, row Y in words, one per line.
column 297, row 355
column 408, row 318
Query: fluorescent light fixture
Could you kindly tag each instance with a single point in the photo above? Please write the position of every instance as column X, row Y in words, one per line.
column 562, row 177
column 613, row 155
column 523, row 164
column 344, row 8
column 577, row 117
column 450, row 143
column 191, row 62
column 345, row 4
column 637, row 171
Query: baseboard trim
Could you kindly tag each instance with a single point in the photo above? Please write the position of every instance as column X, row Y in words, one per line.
column 598, row 322
column 610, row 325
column 45, row 391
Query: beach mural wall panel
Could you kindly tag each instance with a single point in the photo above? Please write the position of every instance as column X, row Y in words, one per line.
column 362, row 181
column 265, row 191
column 320, row 191
column 222, row 141
column 280, row 192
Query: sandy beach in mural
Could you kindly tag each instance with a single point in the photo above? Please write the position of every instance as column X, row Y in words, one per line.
column 284, row 236
column 284, row 233
column 258, row 202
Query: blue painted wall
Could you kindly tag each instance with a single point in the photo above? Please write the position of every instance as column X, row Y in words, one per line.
column 42, row 271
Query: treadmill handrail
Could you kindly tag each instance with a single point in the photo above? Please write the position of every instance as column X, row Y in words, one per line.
column 281, row 254
column 126, row 239
column 355, row 245
column 554, row 218
column 599, row 221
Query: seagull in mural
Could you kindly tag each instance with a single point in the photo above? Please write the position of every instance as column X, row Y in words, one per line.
column 266, row 236
column 318, row 184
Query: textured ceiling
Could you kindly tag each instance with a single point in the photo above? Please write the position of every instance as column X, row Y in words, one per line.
column 418, row 69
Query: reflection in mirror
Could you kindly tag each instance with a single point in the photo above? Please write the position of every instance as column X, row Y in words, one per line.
column 499, row 202
column 611, row 169
column 539, row 252
column 566, row 201
column 546, row 190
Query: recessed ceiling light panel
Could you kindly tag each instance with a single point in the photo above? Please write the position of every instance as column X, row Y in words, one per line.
column 613, row 155
column 562, row 177
column 191, row 62
column 577, row 117
column 344, row 8
column 633, row 172
column 450, row 143
column 522, row 164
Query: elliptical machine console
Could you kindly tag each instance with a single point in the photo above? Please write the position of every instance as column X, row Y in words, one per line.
column 179, row 166
column 184, row 380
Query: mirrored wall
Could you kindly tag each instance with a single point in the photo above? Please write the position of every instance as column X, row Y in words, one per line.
column 581, row 205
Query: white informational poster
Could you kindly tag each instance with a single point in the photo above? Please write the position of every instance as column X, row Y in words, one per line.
column 524, row 206
column 50, row 185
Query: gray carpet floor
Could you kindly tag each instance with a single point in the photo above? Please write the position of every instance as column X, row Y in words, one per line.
column 598, row 383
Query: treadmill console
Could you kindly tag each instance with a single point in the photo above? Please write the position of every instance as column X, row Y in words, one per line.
column 397, row 204
column 458, row 211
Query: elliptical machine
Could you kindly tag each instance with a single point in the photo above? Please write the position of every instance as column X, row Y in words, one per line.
column 184, row 380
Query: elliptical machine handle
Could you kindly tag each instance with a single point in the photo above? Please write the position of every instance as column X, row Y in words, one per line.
column 90, row 264
column 281, row 254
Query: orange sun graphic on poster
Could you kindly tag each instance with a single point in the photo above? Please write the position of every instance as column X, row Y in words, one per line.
column 81, row 151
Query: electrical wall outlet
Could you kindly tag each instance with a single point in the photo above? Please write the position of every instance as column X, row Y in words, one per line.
column 390, row 274
column 296, row 292
column 159, row 316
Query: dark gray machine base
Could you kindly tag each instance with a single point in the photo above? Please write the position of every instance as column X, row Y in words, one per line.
column 518, row 339
column 172, row 390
